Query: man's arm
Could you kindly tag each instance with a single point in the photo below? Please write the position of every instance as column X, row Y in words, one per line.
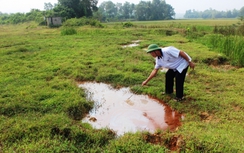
column 153, row 73
column 188, row 59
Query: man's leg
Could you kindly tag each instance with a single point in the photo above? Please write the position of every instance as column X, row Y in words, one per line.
column 169, row 81
column 180, row 79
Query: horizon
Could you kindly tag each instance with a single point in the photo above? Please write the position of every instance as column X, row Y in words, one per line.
column 8, row 7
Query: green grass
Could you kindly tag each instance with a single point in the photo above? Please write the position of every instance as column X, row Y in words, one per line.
column 183, row 22
column 231, row 46
column 41, row 104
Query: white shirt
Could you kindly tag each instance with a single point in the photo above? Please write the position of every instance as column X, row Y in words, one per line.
column 171, row 59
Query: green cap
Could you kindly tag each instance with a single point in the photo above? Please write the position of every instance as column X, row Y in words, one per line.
column 152, row 47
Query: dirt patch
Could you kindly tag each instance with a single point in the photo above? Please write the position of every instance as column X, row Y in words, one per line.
column 216, row 60
column 224, row 67
column 205, row 117
column 173, row 143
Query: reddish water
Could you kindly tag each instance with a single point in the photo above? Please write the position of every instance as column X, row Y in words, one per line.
column 114, row 110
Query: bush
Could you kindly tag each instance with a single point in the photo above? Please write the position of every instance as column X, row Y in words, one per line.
column 68, row 31
column 82, row 22
column 127, row 25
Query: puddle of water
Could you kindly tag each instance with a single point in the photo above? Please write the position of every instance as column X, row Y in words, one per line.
column 134, row 44
column 113, row 109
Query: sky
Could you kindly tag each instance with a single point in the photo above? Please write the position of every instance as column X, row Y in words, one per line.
column 180, row 6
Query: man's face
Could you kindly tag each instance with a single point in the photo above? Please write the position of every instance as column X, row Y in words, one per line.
column 155, row 53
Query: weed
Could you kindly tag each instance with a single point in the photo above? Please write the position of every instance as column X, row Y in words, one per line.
column 68, row 31
column 128, row 24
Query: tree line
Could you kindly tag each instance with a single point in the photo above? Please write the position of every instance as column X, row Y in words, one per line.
column 109, row 11
column 144, row 11
column 212, row 13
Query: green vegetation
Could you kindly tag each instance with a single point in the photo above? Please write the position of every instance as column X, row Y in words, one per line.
column 41, row 106
column 214, row 14
column 108, row 11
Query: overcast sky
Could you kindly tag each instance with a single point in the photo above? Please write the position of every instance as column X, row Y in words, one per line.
column 180, row 6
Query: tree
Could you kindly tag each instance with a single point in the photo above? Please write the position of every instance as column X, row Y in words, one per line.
column 71, row 6
column 155, row 10
column 235, row 13
column 63, row 11
column 34, row 15
column 118, row 11
column 76, row 8
column 168, row 12
column 98, row 15
column 143, row 11
column 241, row 12
column 126, row 10
column 207, row 14
column 48, row 6
column 192, row 14
column 211, row 13
column 108, row 10
column 87, row 7
column 17, row 18
column 132, row 10
column 229, row 14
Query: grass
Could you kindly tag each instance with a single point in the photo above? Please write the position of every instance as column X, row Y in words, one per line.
column 231, row 46
column 41, row 105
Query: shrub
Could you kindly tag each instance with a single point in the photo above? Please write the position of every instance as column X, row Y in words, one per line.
column 82, row 22
column 128, row 24
column 68, row 31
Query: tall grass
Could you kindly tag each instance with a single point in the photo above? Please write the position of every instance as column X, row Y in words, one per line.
column 225, row 39
column 231, row 46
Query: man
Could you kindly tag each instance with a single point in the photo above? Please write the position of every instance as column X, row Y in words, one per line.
column 177, row 63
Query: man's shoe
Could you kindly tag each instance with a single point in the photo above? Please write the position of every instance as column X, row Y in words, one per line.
column 179, row 99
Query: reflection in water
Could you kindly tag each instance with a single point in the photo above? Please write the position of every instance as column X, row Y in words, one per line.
column 114, row 110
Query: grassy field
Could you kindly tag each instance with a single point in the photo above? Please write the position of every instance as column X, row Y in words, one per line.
column 41, row 105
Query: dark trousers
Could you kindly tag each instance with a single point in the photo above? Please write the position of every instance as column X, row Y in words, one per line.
column 179, row 81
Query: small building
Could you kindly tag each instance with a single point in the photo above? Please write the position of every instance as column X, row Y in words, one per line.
column 54, row 21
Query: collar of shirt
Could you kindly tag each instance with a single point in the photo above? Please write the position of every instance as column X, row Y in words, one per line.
column 159, row 57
